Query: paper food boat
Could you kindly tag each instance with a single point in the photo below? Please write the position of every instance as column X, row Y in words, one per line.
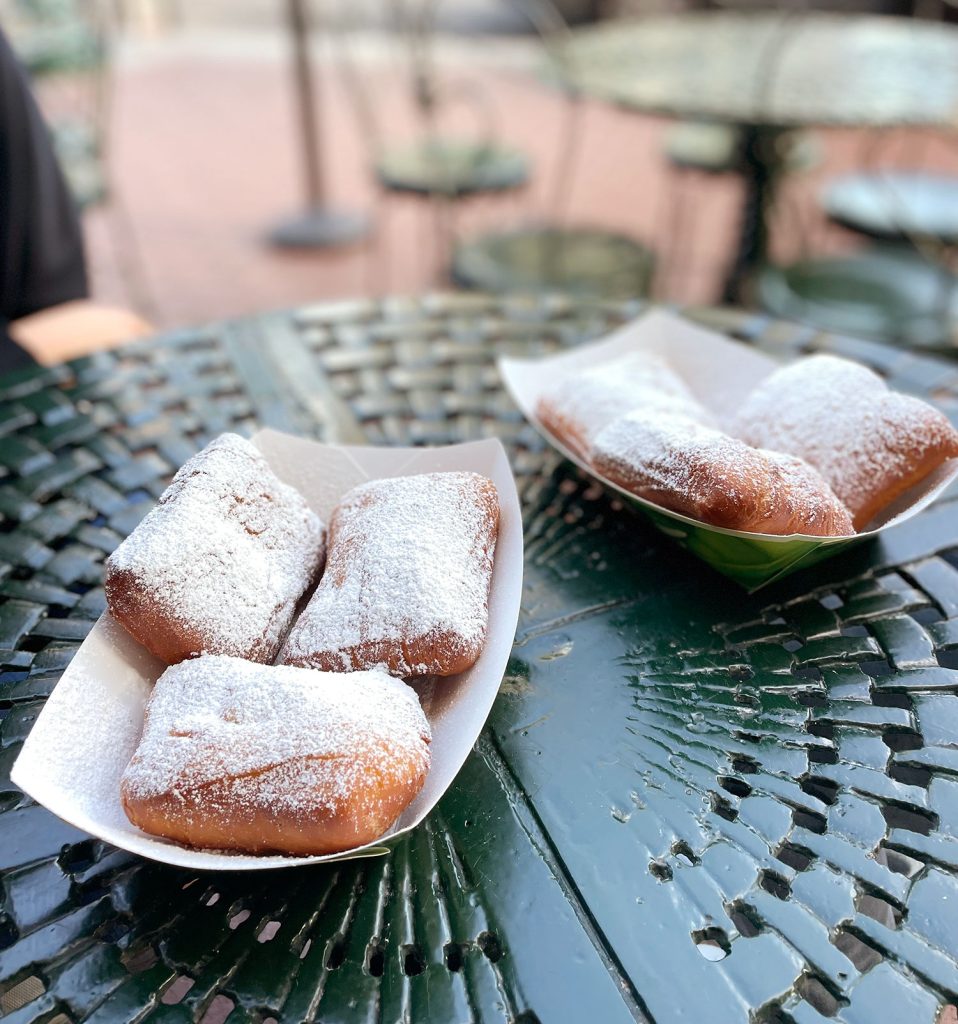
column 86, row 734
column 720, row 373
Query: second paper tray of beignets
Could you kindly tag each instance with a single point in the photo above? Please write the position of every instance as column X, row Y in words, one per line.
column 409, row 564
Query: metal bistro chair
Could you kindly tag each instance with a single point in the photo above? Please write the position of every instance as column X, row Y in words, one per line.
column 697, row 150
column 546, row 254
column 901, row 287
column 440, row 168
column 701, row 148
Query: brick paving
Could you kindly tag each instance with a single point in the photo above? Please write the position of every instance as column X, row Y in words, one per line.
column 205, row 159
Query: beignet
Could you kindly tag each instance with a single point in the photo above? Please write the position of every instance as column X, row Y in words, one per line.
column 221, row 562
column 869, row 443
column 274, row 759
column 407, row 578
column 580, row 405
column 678, row 463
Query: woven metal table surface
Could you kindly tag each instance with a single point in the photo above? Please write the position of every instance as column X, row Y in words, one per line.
column 689, row 804
column 780, row 68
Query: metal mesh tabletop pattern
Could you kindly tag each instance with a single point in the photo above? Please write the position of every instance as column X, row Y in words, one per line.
column 781, row 68
column 689, row 803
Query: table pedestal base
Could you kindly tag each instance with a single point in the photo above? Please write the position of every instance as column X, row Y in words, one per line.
column 319, row 229
column 761, row 163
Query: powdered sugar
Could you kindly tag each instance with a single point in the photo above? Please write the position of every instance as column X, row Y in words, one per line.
column 280, row 738
column 637, row 381
column 228, row 551
column 841, row 418
column 73, row 760
column 703, row 472
column 410, row 559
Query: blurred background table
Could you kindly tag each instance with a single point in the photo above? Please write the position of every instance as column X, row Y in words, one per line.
column 770, row 73
column 688, row 804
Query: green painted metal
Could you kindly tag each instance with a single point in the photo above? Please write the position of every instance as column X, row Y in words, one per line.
column 751, row 561
column 901, row 206
column 690, row 803
column 765, row 72
column 887, row 291
column 535, row 259
column 783, row 67
column 452, row 167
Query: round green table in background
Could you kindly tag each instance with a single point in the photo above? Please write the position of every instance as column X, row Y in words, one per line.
column 770, row 72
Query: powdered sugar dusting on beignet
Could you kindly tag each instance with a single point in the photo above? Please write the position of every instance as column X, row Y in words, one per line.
column 581, row 404
column 407, row 580
column 226, row 740
column 220, row 564
column 868, row 442
column 691, row 468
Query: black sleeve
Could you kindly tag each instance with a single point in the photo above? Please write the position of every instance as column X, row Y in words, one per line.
column 41, row 247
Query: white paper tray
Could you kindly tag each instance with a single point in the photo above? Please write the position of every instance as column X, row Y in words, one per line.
column 720, row 373
column 86, row 734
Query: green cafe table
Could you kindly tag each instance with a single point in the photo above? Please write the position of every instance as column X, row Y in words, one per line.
column 689, row 804
column 770, row 72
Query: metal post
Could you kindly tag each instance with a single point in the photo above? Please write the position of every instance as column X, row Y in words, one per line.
column 319, row 226
column 305, row 96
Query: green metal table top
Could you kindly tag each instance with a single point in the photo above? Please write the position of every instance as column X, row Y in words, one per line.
column 689, row 804
column 786, row 67
column 768, row 71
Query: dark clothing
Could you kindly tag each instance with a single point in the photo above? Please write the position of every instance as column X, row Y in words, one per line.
column 41, row 247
